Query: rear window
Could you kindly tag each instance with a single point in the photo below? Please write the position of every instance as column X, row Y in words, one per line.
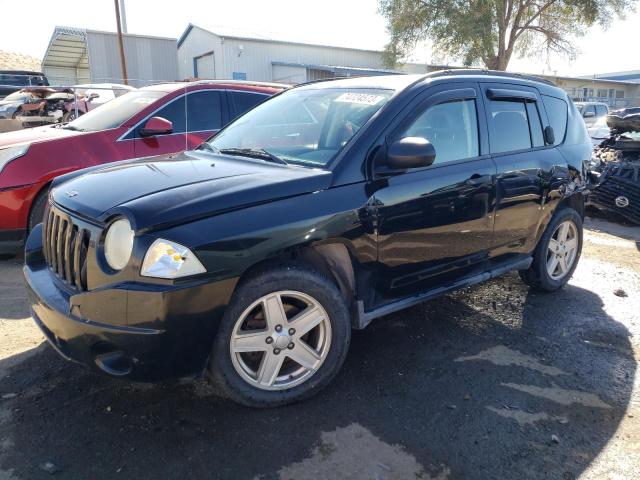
column 557, row 113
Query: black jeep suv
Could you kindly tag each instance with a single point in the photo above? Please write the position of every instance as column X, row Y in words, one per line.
column 252, row 258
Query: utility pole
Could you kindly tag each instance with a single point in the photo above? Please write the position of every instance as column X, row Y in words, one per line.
column 123, row 63
column 123, row 14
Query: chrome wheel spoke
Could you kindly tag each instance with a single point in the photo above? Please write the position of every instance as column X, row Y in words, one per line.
column 552, row 264
column 273, row 311
column 571, row 244
column 249, row 342
column 563, row 265
column 306, row 320
column 553, row 245
column 269, row 368
column 304, row 355
column 563, row 230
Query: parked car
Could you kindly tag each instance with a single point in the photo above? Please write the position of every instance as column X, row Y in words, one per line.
column 253, row 257
column 92, row 95
column 36, row 106
column 592, row 111
column 154, row 120
column 14, row 80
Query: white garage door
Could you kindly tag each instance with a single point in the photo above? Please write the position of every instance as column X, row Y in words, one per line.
column 205, row 68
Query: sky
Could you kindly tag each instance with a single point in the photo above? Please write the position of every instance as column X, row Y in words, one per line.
column 351, row 23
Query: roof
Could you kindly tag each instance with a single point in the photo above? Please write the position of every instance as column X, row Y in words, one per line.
column 68, row 46
column 172, row 86
column 238, row 34
column 18, row 61
column 340, row 68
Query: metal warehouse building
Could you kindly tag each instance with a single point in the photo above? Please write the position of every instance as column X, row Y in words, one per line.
column 213, row 53
column 88, row 56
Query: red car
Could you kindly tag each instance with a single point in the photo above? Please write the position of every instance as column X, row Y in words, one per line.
column 153, row 120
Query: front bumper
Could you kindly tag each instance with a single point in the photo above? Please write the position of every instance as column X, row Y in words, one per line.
column 138, row 331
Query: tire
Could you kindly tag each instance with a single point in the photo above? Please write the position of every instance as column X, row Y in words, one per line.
column 16, row 114
column 297, row 287
column 37, row 208
column 538, row 275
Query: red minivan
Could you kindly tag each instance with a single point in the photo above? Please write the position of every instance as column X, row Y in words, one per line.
column 153, row 120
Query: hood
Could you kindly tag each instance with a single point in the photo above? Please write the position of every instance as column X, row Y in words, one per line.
column 167, row 190
column 39, row 134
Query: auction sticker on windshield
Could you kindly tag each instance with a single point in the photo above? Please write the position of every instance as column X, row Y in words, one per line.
column 361, row 98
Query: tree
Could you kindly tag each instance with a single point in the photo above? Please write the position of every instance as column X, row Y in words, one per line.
column 490, row 31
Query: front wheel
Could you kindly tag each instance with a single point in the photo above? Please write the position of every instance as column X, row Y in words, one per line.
column 283, row 338
column 557, row 254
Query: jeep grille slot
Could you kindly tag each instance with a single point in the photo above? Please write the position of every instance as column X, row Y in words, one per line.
column 65, row 249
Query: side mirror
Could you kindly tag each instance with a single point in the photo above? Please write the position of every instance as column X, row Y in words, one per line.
column 549, row 136
column 589, row 115
column 156, row 126
column 410, row 152
column 93, row 96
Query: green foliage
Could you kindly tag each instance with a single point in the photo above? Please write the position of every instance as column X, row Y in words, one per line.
column 488, row 32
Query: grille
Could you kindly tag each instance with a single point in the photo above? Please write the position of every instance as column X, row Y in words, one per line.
column 616, row 186
column 65, row 249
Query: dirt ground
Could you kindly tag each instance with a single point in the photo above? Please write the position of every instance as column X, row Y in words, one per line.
column 495, row 381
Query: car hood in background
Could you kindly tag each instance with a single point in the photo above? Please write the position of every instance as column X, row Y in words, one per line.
column 39, row 134
column 174, row 189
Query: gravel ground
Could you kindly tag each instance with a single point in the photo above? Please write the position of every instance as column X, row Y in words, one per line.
column 494, row 381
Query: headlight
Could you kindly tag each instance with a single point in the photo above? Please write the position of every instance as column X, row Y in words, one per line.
column 166, row 259
column 118, row 244
column 11, row 153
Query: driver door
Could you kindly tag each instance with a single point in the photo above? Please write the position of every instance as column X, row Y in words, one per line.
column 435, row 224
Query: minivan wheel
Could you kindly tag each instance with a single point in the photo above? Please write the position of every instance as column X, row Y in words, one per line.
column 283, row 338
column 557, row 254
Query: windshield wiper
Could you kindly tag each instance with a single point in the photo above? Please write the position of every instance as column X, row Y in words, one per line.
column 71, row 127
column 258, row 153
column 206, row 147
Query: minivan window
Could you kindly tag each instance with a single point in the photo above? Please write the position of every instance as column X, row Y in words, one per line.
column 509, row 126
column 451, row 127
column 557, row 113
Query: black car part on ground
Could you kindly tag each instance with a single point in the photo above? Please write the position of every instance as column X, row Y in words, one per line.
column 616, row 171
column 625, row 120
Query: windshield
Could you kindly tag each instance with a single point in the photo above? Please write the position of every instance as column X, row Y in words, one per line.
column 305, row 127
column 116, row 112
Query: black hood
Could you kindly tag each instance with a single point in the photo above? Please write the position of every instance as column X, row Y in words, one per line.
column 173, row 189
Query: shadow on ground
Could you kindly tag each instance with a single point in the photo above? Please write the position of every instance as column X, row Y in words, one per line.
column 490, row 382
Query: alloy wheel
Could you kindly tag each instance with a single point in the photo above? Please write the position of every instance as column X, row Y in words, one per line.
column 280, row 340
column 562, row 250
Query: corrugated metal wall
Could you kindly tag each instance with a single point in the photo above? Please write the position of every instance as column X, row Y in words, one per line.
column 149, row 60
column 255, row 58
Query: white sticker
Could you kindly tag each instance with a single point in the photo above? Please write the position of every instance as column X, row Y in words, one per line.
column 361, row 98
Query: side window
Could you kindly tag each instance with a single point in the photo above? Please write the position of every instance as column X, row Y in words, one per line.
column 535, row 125
column 204, row 111
column 601, row 111
column 174, row 112
column 557, row 113
column 452, row 128
column 509, row 126
column 242, row 102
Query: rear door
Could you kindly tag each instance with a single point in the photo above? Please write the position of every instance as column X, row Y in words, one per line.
column 435, row 224
column 525, row 164
column 195, row 117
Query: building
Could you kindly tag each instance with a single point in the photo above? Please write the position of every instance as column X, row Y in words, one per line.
column 614, row 92
column 215, row 53
column 88, row 56
column 627, row 76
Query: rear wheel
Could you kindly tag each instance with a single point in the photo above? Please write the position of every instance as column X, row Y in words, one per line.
column 282, row 339
column 557, row 254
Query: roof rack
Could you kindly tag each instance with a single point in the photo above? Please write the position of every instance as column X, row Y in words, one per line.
column 493, row 73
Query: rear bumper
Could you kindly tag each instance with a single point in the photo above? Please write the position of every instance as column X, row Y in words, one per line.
column 137, row 331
